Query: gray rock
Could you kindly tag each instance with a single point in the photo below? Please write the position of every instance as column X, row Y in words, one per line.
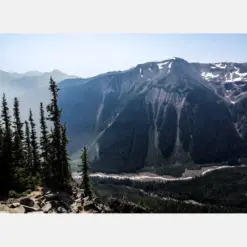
column 99, row 207
column 88, row 205
column 79, row 195
column 39, row 197
column 50, row 196
column 19, row 210
column 14, row 205
column 76, row 208
column 62, row 204
column 42, row 203
column 86, row 198
column 47, row 207
column 96, row 200
column 79, row 200
column 61, row 210
column 31, row 209
column 26, row 201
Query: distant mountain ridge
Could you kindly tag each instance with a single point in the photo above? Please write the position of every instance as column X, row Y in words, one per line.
column 19, row 82
column 31, row 88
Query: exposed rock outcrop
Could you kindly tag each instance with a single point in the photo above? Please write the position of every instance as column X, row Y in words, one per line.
column 54, row 202
column 158, row 113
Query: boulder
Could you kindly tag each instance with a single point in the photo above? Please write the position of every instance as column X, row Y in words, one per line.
column 42, row 203
column 47, row 207
column 38, row 196
column 79, row 200
column 61, row 196
column 99, row 207
column 86, row 198
column 14, row 205
column 96, row 200
column 61, row 210
column 76, row 208
column 51, row 196
column 18, row 210
column 26, row 201
column 31, row 209
column 6, row 209
column 78, row 195
column 88, row 205
column 63, row 204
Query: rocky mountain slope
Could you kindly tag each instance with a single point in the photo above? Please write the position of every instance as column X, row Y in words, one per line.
column 158, row 113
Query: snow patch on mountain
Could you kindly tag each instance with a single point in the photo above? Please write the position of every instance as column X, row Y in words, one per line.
column 162, row 64
column 219, row 65
column 141, row 72
column 227, row 72
column 209, row 75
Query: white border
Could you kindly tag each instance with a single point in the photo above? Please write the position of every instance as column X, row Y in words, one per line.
column 129, row 16
column 123, row 230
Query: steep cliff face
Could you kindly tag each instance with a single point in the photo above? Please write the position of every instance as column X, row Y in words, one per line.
column 156, row 113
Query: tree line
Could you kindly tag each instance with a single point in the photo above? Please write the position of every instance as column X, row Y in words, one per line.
column 27, row 161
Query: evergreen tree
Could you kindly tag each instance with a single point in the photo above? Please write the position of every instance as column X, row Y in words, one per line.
column 7, row 121
column 21, row 179
column 65, row 156
column 17, row 121
column 84, row 174
column 1, row 140
column 18, row 155
column 60, row 174
column 44, row 141
column 27, row 147
column 44, row 145
column 7, row 161
column 34, row 147
column 1, row 155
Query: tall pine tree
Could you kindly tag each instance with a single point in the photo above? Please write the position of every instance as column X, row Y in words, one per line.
column 7, row 148
column 84, row 174
column 27, row 146
column 34, row 147
column 17, row 121
column 22, row 180
column 59, row 164
column 1, row 155
column 65, row 156
column 44, row 146
column 18, row 154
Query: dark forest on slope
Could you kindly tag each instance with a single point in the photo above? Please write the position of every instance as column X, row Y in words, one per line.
column 25, row 161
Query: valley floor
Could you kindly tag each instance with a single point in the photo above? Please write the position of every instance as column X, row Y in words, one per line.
column 218, row 190
column 148, row 176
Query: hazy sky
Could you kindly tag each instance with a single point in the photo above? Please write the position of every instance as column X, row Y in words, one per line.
column 88, row 54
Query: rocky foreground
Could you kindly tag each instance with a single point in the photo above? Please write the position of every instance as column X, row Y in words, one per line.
column 41, row 201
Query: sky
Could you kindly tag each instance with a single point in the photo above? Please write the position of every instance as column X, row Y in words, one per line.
column 87, row 55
